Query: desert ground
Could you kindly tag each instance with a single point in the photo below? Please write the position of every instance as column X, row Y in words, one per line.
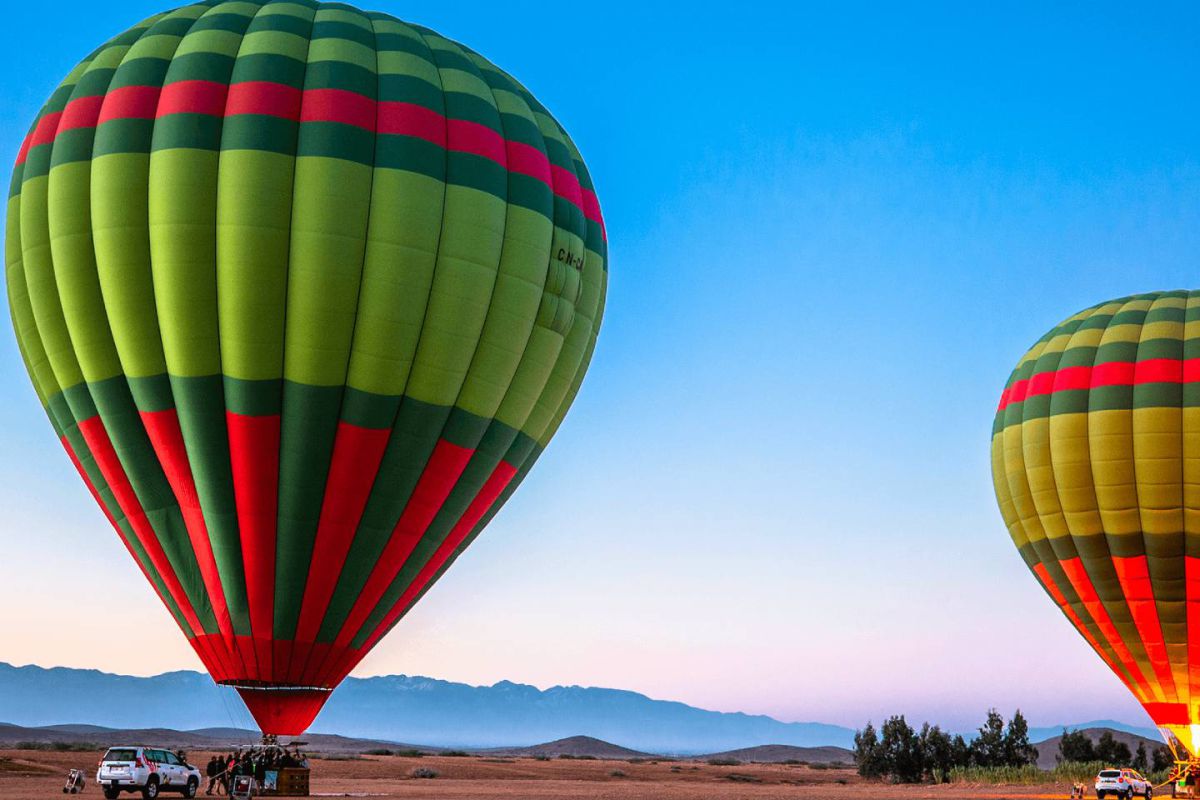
column 30, row 774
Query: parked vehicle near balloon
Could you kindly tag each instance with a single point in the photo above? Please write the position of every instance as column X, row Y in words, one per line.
column 305, row 292
column 146, row 770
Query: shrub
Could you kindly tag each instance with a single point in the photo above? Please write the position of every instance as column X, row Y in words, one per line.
column 616, row 773
column 454, row 754
column 377, row 751
column 423, row 772
column 724, row 762
column 540, row 757
column 741, row 777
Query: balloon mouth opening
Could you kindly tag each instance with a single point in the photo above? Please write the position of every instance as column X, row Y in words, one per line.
column 282, row 710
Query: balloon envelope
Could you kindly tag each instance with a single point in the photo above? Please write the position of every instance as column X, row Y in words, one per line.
column 305, row 292
column 1096, row 463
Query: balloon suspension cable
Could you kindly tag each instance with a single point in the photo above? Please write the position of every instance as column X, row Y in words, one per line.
column 1186, row 765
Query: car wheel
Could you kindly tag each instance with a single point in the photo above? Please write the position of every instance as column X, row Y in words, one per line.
column 193, row 786
column 112, row 794
column 150, row 790
column 1149, row 791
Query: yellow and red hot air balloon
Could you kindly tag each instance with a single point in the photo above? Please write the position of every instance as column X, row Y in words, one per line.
column 305, row 292
column 1096, row 463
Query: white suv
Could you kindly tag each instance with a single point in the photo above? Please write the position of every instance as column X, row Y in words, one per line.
column 1123, row 783
column 145, row 770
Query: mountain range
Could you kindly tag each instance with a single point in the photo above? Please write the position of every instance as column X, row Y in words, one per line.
column 400, row 708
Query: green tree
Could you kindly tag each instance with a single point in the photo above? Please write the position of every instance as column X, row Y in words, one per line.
column 1076, row 747
column 868, row 756
column 902, row 756
column 1018, row 752
column 938, row 750
column 1141, row 759
column 1162, row 758
column 988, row 748
column 1110, row 751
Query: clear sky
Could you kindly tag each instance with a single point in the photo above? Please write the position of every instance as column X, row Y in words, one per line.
column 834, row 228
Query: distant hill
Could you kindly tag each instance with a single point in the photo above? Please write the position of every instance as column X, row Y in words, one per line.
column 1041, row 734
column 778, row 753
column 204, row 739
column 400, row 708
column 1048, row 748
column 575, row 746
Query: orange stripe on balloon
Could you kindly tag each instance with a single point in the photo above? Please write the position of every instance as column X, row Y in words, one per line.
column 1133, row 572
column 1082, row 584
column 1060, row 599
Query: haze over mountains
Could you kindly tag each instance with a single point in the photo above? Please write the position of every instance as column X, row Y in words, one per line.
column 400, row 708
column 425, row 711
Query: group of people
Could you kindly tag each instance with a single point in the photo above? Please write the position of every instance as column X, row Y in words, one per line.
column 222, row 769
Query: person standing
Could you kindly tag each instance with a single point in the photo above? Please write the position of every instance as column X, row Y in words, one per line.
column 213, row 769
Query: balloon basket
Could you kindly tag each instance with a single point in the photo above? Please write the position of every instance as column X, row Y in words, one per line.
column 1186, row 771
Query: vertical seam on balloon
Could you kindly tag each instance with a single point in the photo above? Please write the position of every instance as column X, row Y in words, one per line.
column 1122, row 601
column 154, row 309
column 368, row 628
column 1159, row 636
column 1071, row 534
column 225, row 620
column 450, row 416
column 350, row 348
column 320, row 669
column 247, row 667
column 470, row 364
column 256, row 596
column 283, row 327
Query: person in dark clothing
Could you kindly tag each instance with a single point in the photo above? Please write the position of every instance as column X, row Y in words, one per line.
column 213, row 769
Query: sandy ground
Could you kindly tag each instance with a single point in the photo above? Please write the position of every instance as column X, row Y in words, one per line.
column 29, row 775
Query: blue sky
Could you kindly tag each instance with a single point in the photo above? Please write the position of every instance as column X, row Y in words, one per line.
column 834, row 228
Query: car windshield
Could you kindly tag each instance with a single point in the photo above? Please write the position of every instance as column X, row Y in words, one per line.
column 1110, row 773
column 121, row 754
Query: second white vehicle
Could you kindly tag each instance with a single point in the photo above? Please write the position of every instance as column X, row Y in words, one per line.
column 146, row 770
column 1123, row 783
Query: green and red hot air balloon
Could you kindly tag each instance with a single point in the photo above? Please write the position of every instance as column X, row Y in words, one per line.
column 305, row 292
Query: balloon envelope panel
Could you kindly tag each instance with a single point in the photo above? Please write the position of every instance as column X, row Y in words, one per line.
column 1096, row 464
column 305, row 292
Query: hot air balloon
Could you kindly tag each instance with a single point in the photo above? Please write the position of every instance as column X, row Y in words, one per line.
column 1096, row 463
column 305, row 291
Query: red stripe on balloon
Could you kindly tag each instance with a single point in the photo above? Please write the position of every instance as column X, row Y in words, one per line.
column 338, row 105
column 167, row 439
column 46, row 130
column 264, row 98
column 441, row 473
column 495, row 484
column 1168, row 713
column 1133, row 573
column 130, row 102
column 1113, row 373
column 110, row 467
column 465, row 136
column 410, row 119
column 82, row 112
column 254, row 462
column 357, row 453
column 192, row 97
